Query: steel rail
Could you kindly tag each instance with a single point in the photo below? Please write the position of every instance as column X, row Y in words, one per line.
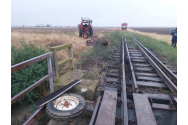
column 125, row 110
column 135, row 87
column 166, row 79
column 167, row 71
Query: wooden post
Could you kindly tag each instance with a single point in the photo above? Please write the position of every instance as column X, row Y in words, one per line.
column 55, row 66
column 50, row 71
column 71, row 56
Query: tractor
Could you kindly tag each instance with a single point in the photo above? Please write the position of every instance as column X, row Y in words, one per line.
column 85, row 28
column 124, row 26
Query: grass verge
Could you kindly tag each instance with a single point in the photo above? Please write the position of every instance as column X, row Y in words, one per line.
column 161, row 47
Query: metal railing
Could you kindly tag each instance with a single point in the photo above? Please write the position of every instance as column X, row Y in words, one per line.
column 56, row 65
column 52, row 65
column 22, row 65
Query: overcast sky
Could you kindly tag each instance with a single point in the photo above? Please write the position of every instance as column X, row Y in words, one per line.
column 137, row 13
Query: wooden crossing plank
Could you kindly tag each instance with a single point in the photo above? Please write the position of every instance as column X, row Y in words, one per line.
column 151, row 84
column 144, row 113
column 149, row 78
column 107, row 111
column 147, row 74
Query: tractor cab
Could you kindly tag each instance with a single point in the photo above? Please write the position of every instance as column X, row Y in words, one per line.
column 85, row 28
column 86, row 22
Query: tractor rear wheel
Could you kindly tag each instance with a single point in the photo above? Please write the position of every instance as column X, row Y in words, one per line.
column 80, row 34
column 91, row 32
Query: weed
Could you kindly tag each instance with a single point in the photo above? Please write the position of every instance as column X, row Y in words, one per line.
column 32, row 109
column 92, row 73
column 105, row 52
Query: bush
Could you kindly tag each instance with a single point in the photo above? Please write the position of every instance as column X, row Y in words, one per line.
column 25, row 77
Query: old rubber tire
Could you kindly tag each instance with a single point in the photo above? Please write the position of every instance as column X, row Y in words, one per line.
column 91, row 32
column 80, row 34
column 56, row 114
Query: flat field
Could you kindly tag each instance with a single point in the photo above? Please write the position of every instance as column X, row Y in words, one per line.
column 157, row 30
column 58, row 29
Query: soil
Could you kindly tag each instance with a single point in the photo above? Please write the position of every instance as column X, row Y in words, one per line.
column 20, row 113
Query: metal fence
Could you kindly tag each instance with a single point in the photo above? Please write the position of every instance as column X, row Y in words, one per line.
column 52, row 65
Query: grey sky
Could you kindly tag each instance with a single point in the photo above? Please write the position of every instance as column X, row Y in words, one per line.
column 157, row 13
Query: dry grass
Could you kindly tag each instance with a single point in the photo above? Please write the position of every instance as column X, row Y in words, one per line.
column 49, row 37
column 48, row 40
column 166, row 38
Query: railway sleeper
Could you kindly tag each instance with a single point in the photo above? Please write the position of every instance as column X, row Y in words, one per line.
column 134, row 57
column 113, row 80
column 149, row 78
column 147, row 74
column 143, row 65
column 144, row 69
column 112, row 74
column 139, row 60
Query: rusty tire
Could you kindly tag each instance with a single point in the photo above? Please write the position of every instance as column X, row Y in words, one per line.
column 56, row 114
column 91, row 32
column 80, row 34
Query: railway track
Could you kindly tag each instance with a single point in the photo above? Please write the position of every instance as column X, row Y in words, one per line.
column 138, row 90
column 143, row 90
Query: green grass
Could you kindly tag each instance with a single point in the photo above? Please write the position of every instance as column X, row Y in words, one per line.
column 105, row 52
column 161, row 47
column 92, row 73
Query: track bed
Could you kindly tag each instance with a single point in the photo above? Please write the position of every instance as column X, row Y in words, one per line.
column 146, row 92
